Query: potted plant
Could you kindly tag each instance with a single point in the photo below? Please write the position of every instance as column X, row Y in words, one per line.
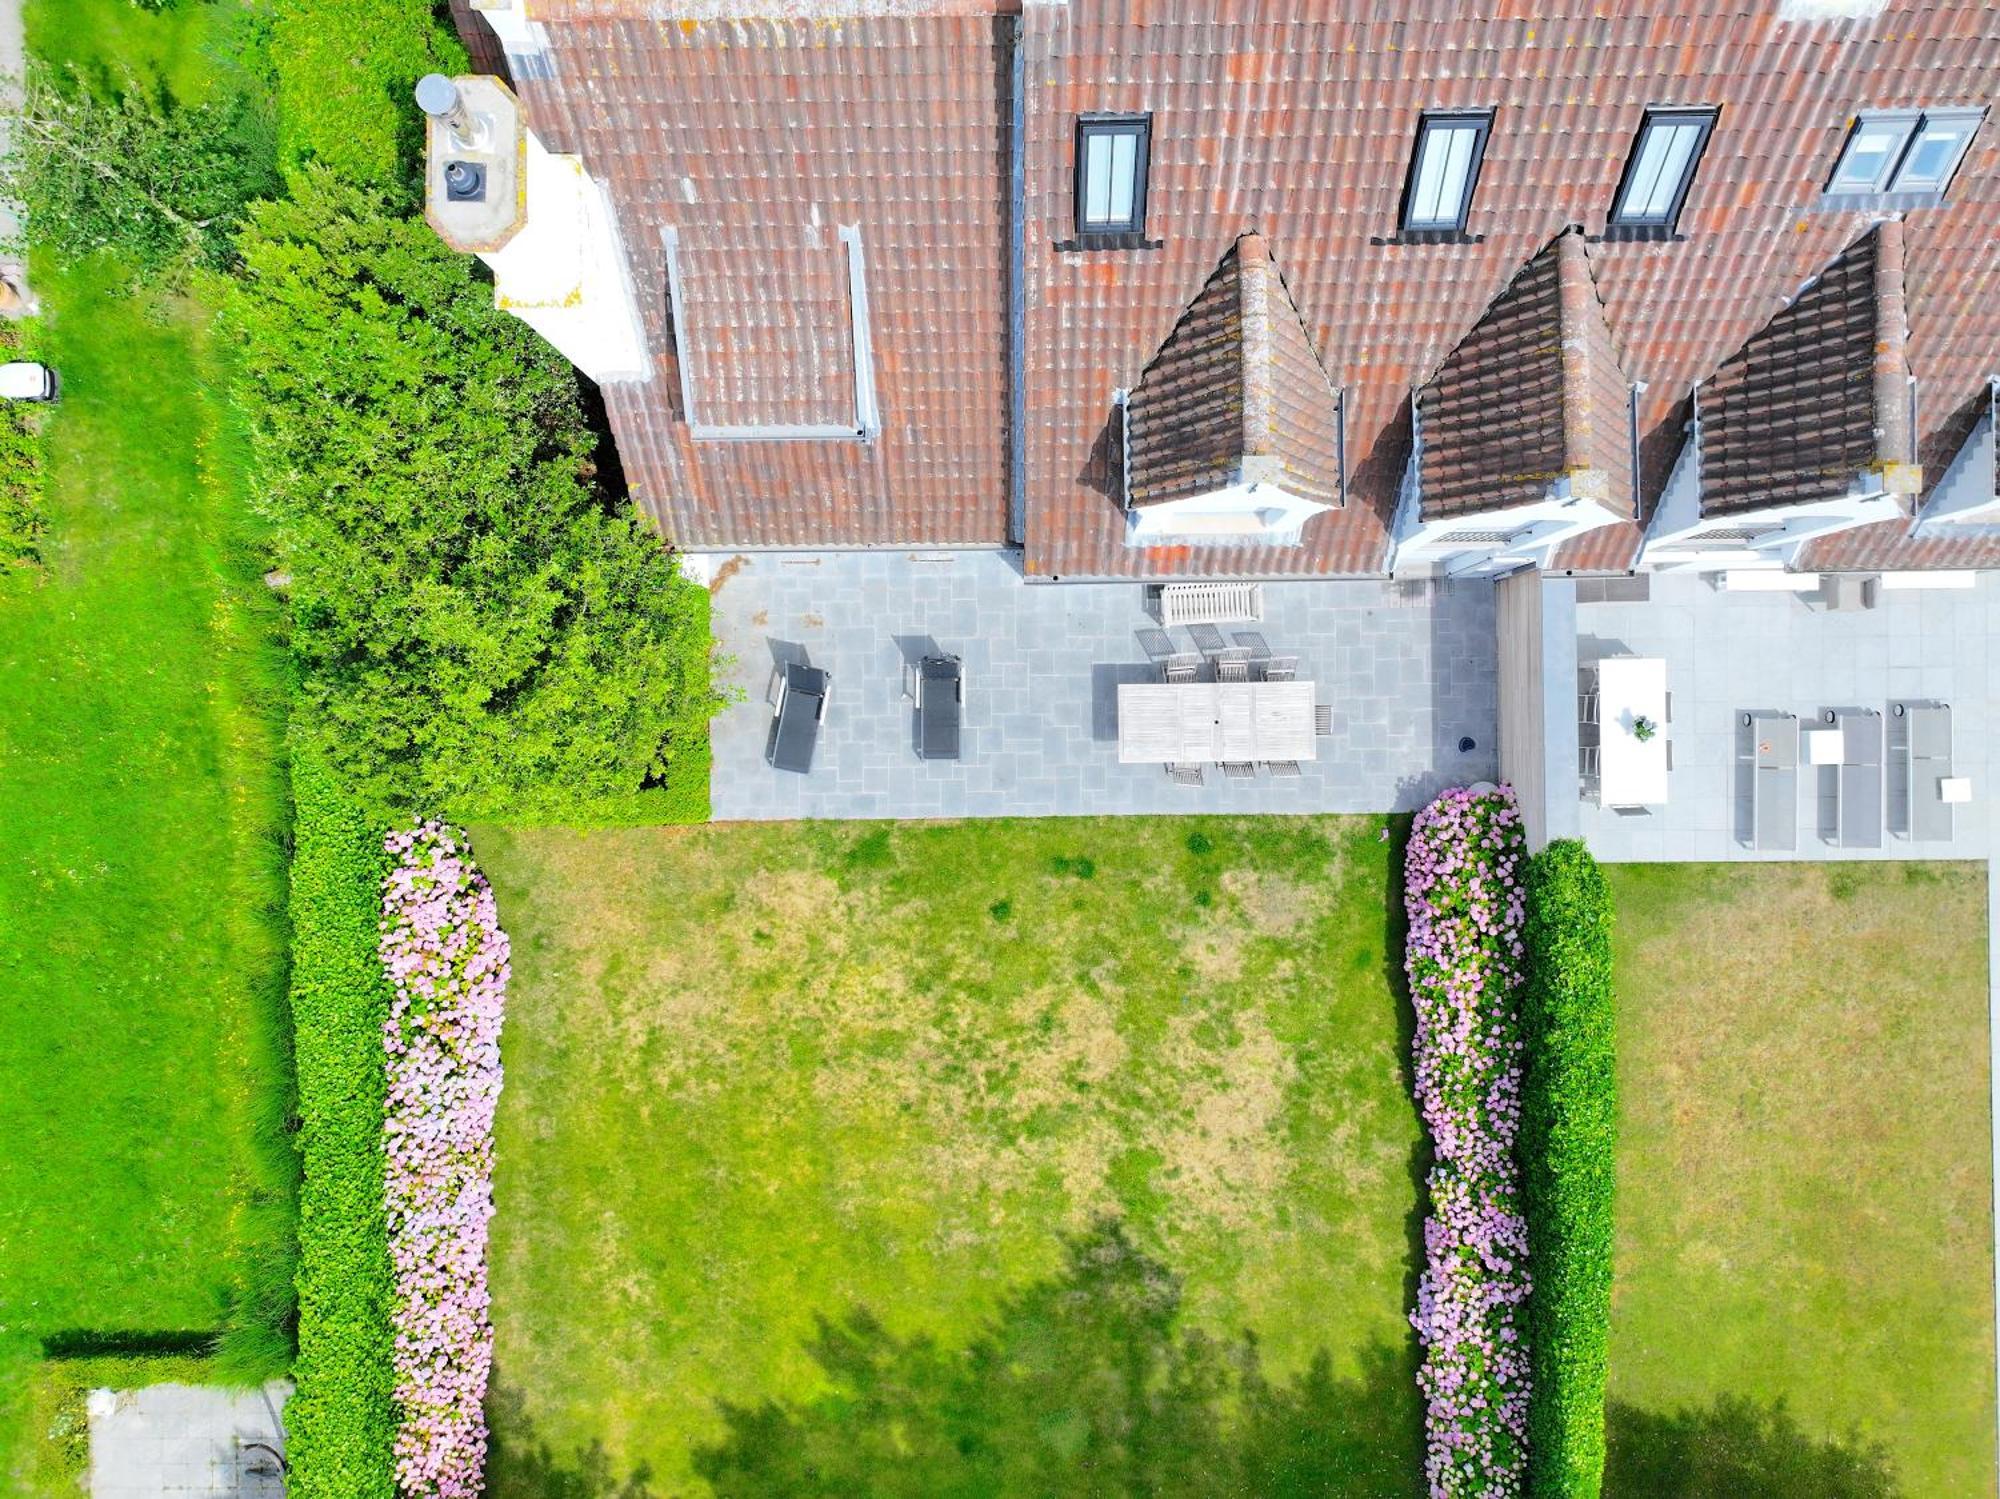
column 1643, row 729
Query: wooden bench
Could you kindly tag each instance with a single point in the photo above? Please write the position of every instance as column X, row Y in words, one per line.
column 1209, row 603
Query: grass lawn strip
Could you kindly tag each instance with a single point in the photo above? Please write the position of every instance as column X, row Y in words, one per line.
column 142, row 1045
column 761, row 1077
column 1804, row 1172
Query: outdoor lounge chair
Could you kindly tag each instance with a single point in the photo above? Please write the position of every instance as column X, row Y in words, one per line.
column 1283, row 770
column 1920, row 756
column 1850, row 793
column 940, row 706
column 1184, row 775
column 795, row 721
column 1238, row 770
column 1767, row 780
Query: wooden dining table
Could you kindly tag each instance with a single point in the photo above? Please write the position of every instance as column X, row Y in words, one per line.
column 1196, row 723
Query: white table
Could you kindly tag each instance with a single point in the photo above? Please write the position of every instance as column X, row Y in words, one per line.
column 1631, row 772
column 1206, row 723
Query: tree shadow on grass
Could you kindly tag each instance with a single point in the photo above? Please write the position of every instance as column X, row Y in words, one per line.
column 1738, row 1449
column 520, row 1467
column 1081, row 1384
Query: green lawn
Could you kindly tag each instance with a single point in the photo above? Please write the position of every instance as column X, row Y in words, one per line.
column 1805, row 1177
column 900, row 1151
column 146, row 1184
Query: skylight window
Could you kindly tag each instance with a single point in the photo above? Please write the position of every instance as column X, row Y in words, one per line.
column 1661, row 167
column 1904, row 151
column 1111, row 163
column 1444, row 170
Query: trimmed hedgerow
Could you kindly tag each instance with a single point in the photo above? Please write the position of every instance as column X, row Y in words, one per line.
column 1568, row 1136
column 342, row 1420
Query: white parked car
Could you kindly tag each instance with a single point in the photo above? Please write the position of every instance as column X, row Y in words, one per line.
column 24, row 380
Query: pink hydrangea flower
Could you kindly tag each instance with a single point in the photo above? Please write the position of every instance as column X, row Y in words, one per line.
column 1463, row 895
column 447, row 963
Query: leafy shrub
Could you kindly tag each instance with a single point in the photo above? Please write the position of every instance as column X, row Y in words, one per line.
column 22, row 519
column 446, row 959
column 127, row 167
column 1568, row 1139
column 481, row 634
column 342, row 1420
column 346, row 71
column 1462, row 893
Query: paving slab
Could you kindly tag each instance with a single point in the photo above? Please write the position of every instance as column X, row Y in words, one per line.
column 1408, row 669
column 177, row 1441
column 1729, row 652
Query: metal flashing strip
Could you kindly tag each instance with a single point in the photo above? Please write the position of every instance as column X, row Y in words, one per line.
column 867, row 416
column 867, row 422
column 670, row 239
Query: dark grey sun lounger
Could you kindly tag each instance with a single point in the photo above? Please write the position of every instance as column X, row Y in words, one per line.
column 796, row 720
column 940, row 706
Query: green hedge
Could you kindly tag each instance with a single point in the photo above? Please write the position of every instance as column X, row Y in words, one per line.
column 1568, row 1138
column 342, row 1420
column 484, row 634
column 346, row 69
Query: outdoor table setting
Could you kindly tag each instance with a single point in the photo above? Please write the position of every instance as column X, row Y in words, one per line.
column 1214, row 722
column 1632, row 711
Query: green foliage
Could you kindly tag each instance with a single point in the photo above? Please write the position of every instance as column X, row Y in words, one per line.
column 347, row 69
column 1568, row 1141
column 22, row 517
column 342, row 1419
column 123, row 165
column 481, row 634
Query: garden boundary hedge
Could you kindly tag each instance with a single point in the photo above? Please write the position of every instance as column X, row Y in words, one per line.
column 1568, row 1141
column 341, row 1421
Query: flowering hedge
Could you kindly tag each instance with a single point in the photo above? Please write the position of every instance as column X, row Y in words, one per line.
column 1569, row 1134
column 446, row 959
column 1462, row 891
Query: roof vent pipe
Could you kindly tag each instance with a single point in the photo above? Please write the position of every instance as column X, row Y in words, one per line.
column 437, row 96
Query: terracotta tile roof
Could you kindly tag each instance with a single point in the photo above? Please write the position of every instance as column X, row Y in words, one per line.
column 1292, row 121
column 756, row 141
column 1235, row 395
column 1887, row 546
column 1819, row 396
column 766, row 338
column 1531, row 396
column 1296, row 121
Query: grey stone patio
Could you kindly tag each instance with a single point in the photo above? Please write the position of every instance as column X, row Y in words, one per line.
column 1409, row 670
column 176, row 1441
column 1729, row 652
